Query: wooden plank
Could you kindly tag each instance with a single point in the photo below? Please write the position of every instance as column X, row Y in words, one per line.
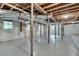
column 39, row 8
column 2, row 6
column 61, row 7
column 66, row 12
column 63, row 10
column 50, row 5
column 15, row 8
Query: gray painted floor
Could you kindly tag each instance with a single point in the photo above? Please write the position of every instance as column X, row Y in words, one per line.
column 58, row 47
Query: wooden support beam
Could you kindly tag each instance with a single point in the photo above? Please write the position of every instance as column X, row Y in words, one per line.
column 39, row 8
column 41, row 3
column 30, row 6
column 67, row 9
column 51, row 16
column 2, row 6
column 15, row 8
column 61, row 7
column 73, row 15
column 51, row 5
column 27, row 7
column 66, row 12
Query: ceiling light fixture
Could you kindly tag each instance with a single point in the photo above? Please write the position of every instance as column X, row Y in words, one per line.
column 65, row 16
column 73, row 22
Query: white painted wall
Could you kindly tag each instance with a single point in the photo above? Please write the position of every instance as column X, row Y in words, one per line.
column 52, row 29
column 10, row 34
column 71, row 29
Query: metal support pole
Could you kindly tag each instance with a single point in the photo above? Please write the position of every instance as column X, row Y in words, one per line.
column 19, row 22
column 31, row 31
column 48, row 31
column 44, row 30
column 36, row 27
column 40, row 31
column 62, row 31
column 58, row 29
column 25, row 29
column 55, row 30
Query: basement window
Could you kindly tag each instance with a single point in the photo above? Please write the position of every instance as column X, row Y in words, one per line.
column 8, row 25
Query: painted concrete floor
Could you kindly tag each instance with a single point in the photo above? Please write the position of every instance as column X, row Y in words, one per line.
column 58, row 47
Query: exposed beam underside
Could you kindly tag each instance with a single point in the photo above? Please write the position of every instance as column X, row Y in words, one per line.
column 15, row 8
column 60, row 7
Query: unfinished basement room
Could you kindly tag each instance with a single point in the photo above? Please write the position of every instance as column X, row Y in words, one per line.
column 39, row 29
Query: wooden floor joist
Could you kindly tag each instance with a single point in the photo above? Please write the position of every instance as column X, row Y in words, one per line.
column 15, row 8
column 67, row 9
column 2, row 5
column 39, row 8
column 60, row 7
column 50, row 5
column 43, row 8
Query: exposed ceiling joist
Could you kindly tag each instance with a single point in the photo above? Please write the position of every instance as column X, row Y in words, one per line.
column 22, row 7
column 39, row 8
column 2, row 6
column 66, row 9
column 30, row 6
column 61, row 7
column 43, row 11
column 66, row 12
column 41, row 3
column 72, row 14
column 15, row 8
column 27, row 7
column 50, row 5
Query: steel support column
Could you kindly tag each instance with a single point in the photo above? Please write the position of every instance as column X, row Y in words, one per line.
column 40, row 31
column 58, row 28
column 55, row 30
column 36, row 25
column 45, row 31
column 48, row 31
column 62, row 31
column 19, row 22
column 25, row 29
column 31, row 31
